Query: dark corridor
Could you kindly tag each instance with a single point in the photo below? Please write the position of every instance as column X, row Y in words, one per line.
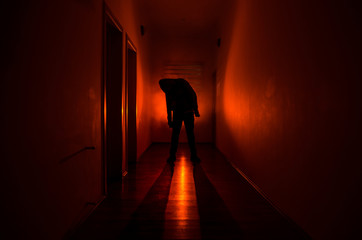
column 203, row 201
column 278, row 87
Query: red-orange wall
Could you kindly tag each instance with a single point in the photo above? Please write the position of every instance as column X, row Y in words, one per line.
column 51, row 108
column 289, row 108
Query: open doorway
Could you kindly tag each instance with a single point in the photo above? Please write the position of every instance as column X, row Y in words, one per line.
column 131, row 111
column 112, row 99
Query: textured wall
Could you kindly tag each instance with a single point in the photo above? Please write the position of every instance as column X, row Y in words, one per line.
column 51, row 109
column 289, row 108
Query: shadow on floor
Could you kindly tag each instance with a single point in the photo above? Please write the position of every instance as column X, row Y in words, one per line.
column 147, row 222
column 216, row 221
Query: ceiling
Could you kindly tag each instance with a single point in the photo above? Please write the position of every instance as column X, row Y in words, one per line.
column 182, row 17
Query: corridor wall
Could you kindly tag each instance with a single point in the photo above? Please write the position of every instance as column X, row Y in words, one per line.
column 289, row 108
column 51, row 109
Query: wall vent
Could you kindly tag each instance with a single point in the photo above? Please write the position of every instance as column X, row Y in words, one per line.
column 193, row 73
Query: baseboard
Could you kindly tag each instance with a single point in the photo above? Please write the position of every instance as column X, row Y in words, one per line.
column 263, row 195
column 85, row 213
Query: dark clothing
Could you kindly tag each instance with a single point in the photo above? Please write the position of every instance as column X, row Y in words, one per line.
column 188, row 119
column 180, row 96
column 181, row 100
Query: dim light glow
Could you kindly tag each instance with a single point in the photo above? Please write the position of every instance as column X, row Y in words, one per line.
column 105, row 113
column 159, row 103
column 182, row 194
column 182, row 201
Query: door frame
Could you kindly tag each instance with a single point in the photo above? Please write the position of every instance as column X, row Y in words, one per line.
column 108, row 17
column 130, row 46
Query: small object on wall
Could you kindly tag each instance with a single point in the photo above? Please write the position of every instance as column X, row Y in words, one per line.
column 218, row 42
column 142, row 30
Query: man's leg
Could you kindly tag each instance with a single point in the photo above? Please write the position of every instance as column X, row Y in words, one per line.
column 189, row 125
column 176, row 128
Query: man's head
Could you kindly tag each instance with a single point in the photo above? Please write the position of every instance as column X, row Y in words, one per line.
column 167, row 85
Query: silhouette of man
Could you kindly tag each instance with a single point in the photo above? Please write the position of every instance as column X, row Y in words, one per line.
column 181, row 103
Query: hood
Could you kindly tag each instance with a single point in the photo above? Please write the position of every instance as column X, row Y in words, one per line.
column 167, row 85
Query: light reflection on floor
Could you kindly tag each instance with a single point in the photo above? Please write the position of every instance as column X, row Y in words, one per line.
column 181, row 211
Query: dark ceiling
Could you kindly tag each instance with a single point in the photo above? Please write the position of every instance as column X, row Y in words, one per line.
column 182, row 17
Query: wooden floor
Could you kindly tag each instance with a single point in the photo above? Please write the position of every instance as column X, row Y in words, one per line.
column 207, row 201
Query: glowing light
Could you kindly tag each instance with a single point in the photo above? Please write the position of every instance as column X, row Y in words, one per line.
column 105, row 114
column 159, row 104
column 181, row 212
column 182, row 204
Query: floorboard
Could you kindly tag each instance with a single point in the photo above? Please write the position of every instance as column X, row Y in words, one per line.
column 210, row 200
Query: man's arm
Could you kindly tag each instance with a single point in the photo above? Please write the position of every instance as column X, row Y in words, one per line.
column 195, row 106
column 190, row 91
